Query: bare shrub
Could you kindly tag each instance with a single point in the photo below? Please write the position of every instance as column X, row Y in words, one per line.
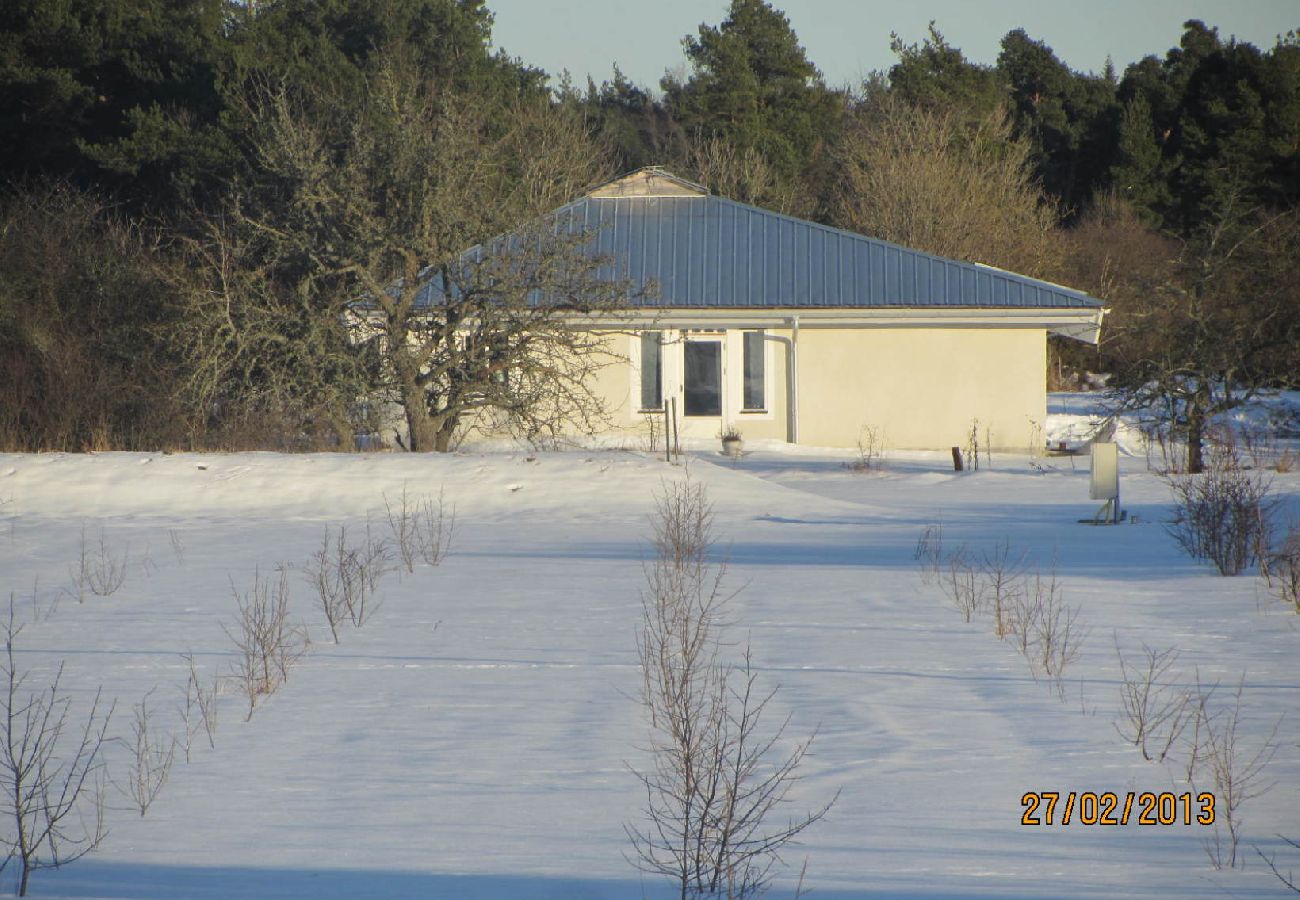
column 405, row 530
column 421, row 528
column 51, row 793
column 79, row 570
column 1036, row 445
column 1166, row 453
column 972, row 449
column 435, row 525
column 199, row 709
column 1056, row 632
column 147, row 565
column 1259, row 444
column 1222, row 514
column 1200, row 700
column 1026, row 608
column 177, row 541
column 871, row 450
column 1155, row 713
column 960, row 582
column 345, row 576
column 929, row 552
column 268, row 644
column 331, row 577
column 1002, row 572
column 151, row 756
column 1283, row 569
column 1237, row 775
column 106, row 570
column 716, row 779
column 1289, row 879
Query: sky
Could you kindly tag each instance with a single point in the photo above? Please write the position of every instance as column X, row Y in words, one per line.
column 848, row 39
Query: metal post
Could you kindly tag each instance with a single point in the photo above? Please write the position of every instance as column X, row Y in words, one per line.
column 668, row 438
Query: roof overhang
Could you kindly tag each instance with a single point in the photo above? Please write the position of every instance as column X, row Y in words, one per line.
column 1080, row 324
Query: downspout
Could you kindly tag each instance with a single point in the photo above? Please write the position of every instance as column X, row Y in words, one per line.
column 791, row 378
column 794, row 379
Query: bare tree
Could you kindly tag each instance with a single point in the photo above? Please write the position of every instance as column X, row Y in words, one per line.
column 1056, row 631
column 1002, row 572
column 1154, row 712
column 199, row 707
column 1284, row 569
column 438, row 526
column 267, row 360
column 929, row 551
column 421, row 528
column 717, row 780
column 740, row 174
column 1289, row 879
column 332, row 571
column 1237, row 775
column 50, row 767
column 151, row 757
column 1212, row 327
column 931, row 178
column 268, row 643
column 961, row 582
column 424, row 212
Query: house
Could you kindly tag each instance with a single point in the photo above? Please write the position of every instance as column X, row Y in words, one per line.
column 790, row 330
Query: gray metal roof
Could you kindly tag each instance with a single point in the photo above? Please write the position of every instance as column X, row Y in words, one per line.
column 708, row 252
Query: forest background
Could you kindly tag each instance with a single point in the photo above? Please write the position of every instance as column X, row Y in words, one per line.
column 194, row 192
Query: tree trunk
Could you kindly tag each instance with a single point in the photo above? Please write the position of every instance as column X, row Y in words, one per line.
column 420, row 431
column 1195, row 436
column 446, row 431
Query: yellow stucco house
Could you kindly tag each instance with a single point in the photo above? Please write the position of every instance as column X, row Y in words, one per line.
column 785, row 329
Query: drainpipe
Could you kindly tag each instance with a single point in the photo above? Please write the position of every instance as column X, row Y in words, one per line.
column 794, row 379
column 791, row 345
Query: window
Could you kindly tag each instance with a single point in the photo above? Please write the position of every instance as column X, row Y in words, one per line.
column 755, row 372
column 652, row 382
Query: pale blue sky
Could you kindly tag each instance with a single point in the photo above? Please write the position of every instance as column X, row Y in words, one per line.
column 848, row 38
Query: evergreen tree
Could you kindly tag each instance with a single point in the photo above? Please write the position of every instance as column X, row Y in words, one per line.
column 753, row 86
column 638, row 128
column 1070, row 117
column 1140, row 173
column 1226, row 120
column 115, row 93
column 936, row 75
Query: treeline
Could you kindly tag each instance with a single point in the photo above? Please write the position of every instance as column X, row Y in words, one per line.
column 195, row 189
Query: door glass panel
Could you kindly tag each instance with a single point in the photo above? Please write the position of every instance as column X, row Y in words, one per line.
column 703, row 378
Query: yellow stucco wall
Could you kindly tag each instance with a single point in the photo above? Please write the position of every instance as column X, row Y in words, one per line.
column 922, row 386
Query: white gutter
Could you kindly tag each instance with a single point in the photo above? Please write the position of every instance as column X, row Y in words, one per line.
column 1082, row 324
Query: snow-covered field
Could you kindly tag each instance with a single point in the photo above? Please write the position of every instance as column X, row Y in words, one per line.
column 473, row 739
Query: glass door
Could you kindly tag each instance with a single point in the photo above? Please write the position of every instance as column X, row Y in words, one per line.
column 702, row 377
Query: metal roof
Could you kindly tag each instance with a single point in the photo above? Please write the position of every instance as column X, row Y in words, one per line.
column 708, row 252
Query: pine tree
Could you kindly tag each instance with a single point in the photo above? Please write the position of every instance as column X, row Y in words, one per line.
column 1139, row 174
column 1068, row 116
column 753, row 86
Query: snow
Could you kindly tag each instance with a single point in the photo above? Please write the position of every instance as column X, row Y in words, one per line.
column 473, row 739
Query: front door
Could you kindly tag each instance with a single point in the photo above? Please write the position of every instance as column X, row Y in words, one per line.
column 702, row 386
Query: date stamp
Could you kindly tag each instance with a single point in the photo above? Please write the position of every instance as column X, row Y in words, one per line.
column 1110, row 808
